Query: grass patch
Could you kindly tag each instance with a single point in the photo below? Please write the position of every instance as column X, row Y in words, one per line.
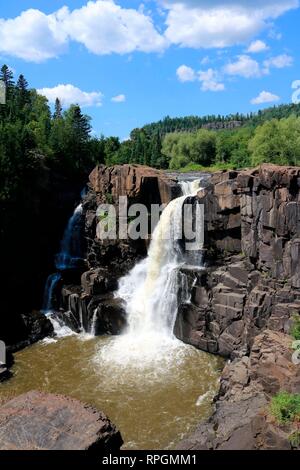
column 285, row 407
column 295, row 329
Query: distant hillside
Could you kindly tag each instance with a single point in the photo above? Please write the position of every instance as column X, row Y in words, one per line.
column 215, row 122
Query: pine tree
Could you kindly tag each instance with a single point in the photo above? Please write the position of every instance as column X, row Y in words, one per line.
column 22, row 93
column 58, row 109
column 7, row 76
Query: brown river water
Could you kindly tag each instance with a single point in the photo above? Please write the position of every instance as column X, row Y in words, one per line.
column 154, row 404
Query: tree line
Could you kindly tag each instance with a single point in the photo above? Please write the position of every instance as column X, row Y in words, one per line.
column 31, row 134
column 275, row 141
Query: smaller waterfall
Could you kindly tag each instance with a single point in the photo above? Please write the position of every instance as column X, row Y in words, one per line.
column 71, row 251
column 94, row 323
column 69, row 257
column 50, row 288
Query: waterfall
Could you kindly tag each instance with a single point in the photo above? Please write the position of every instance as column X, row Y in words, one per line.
column 50, row 288
column 150, row 292
column 71, row 252
column 68, row 258
column 94, row 322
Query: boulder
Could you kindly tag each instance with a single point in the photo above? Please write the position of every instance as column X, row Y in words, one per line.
column 40, row 421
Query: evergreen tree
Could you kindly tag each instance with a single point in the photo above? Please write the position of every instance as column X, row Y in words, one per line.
column 22, row 93
column 58, row 111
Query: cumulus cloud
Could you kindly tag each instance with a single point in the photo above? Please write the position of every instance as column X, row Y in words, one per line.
column 102, row 26
column 69, row 94
column 257, row 46
column 265, row 97
column 33, row 36
column 209, row 79
column 186, row 74
column 245, row 67
column 118, row 99
column 220, row 23
column 279, row 62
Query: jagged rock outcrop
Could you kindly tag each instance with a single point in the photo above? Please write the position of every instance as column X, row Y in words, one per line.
column 242, row 293
column 40, row 421
column 250, row 285
column 138, row 183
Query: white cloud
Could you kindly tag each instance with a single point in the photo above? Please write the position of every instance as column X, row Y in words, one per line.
column 101, row 26
column 69, row 94
column 33, row 36
column 186, row 74
column 257, row 46
column 104, row 27
column 245, row 66
column 279, row 62
column 220, row 23
column 210, row 81
column 265, row 97
column 118, row 99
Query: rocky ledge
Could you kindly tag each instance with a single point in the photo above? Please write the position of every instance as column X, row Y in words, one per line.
column 40, row 421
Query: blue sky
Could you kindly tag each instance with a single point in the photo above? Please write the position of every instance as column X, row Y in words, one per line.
column 129, row 63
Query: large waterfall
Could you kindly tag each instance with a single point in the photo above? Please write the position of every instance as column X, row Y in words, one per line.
column 151, row 290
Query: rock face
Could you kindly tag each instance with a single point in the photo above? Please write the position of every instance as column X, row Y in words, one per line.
column 39, row 421
column 242, row 293
column 243, row 303
column 138, row 183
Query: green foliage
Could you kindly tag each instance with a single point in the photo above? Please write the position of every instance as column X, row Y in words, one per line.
column 277, row 141
column 210, row 169
column 184, row 148
column 295, row 330
column 285, row 407
column 294, row 439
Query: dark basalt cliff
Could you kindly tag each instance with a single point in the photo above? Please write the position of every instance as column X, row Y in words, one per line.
column 243, row 302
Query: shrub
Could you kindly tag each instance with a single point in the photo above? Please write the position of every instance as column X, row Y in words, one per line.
column 295, row 330
column 285, row 407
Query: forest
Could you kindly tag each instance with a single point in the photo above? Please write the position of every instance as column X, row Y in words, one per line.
column 32, row 134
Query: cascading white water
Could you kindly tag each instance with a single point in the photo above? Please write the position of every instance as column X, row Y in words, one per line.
column 150, row 293
column 70, row 252
column 68, row 258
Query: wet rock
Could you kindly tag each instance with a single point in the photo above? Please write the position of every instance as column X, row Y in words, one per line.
column 40, row 421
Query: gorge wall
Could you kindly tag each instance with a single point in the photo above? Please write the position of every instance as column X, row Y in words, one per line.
column 243, row 303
